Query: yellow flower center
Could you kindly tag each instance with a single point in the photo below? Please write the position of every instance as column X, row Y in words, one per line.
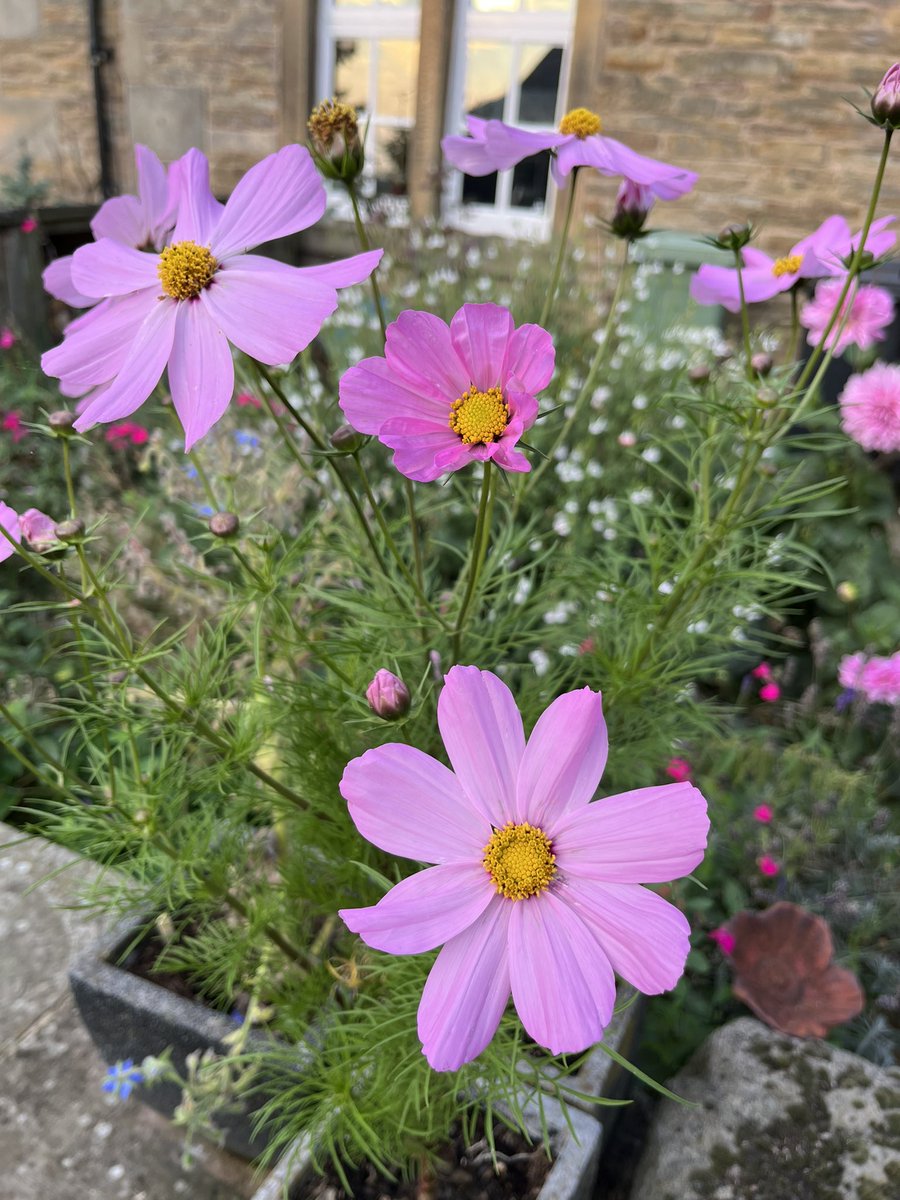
column 185, row 269
column 519, row 860
column 582, row 122
column 479, row 416
column 789, row 265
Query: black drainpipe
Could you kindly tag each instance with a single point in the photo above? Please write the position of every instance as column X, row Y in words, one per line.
column 100, row 56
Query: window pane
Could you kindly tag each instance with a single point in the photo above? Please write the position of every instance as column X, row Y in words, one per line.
column 495, row 6
column 487, row 78
column 351, row 72
column 539, row 68
column 397, row 64
column 529, row 185
column 480, row 189
column 557, row 6
column 375, row 3
column 391, row 146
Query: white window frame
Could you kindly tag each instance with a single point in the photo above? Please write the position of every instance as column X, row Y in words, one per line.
column 373, row 23
column 516, row 29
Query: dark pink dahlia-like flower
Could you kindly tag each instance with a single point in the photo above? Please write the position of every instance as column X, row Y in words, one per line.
column 865, row 314
column 874, row 676
column 537, row 890
column 443, row 396
column 185, row 307
column 870, row 408
column 495, row 146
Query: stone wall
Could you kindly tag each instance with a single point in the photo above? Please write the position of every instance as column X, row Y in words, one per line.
column 748, row 93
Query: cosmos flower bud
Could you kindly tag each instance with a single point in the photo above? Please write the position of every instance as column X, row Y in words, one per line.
column 388, row 696
column 334, row 138
column 224, row 524
column 346, row 439
column 70, row 531
column 38, row 530
column 766, row 397
column 847, row 591
column 735, row 237
column 633, row 203
column 762, row 363
column 886, row 101
column 699, row 374
column 61, row 421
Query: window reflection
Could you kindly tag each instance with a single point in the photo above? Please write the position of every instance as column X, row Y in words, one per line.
column 351, row 72
column 479, row 189
column 529, row 183
column 396, row 89
column 391, row 147
column 539, row 68
column 487, row 76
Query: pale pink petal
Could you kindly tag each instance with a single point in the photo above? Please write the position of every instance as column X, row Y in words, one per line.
column 201, row 371
column 523, row 411
column 419, row 350
column 453, row 455
column 757, row 260
column 153, row 191
column 880, row 239
column 95, row 349
column 199, row 212
column 466, row 991
column 667, row 182
column 280, row 195
column 425, row 457
column 563, row 759
column 481, row 335
column 483, row 735
column 269, row 314
column 345, row 271
column 468, row 154
column 823, row 249
column 9, row 520
column 57, row 279
column 577, row 153
column 424, row 910
column 122, row 219
column 407, row 803
column 530, row 358
column 510, row 459
column 646, row 939
column 650, row 835
column 140, row 372
column 562, row 982
column 716, row 285
column 107, row 268
column 507, row 145
column 371, row 394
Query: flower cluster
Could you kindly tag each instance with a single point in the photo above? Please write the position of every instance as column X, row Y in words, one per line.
column 874, row 677
column 870, row 408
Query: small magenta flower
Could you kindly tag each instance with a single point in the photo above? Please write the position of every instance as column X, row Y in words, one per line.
column 7, row 338
column 865, row 315
column 121, row 1079
column 724, row 939
column 443, row 397
column 127, row 431
column 886, row 101
column 12, row 424
column 494, row 146
column 870, row 408
column 763, row 813
column 28, row 225
column 678, row 769
column 537, row 890
column 762, row 671
column 876, row 677
column 388, row 696
column 770, row 692
column 38, row 530
column 9, row 520
column 246, row 400
column 767, row 865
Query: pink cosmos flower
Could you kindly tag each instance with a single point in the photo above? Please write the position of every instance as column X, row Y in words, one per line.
column 537, row 890
column 770, row 692
column 38, row 530
column 442, row 397
column 7, row 338
column 127, row 431
column 724, row 939
column 9, row 520
column 143, row 222
column 494, row 146
column 181, row 308
column 819, row 254
column 870, row 309
column 767, row 865
column 28, row 225
column 678, row 769
column 875, row 677
column 12, row 424
column 870, row 408
column 763, row 813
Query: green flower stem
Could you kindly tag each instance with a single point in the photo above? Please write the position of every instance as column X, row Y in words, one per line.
column 745, row 314
column 480, row 540
column 366, row 246
column 67, row 470
column 561, row 253
column 204, row 478
column 794, row 343
column 418, row 557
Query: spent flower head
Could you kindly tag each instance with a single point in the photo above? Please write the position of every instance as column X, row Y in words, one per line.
column 334, row 140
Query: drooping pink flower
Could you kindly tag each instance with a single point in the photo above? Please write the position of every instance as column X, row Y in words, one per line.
column 181, row 308
column 143, row 222
column 876, row 677
column 28, row 225
column 770, row 692
column 38, row 530
column 9, row 520
column 763, row 813
column 767, row 865
column 678, row 769
column 724, row 939
column 537, row 890
column 444, row 396
column 762, row 671
column 7, row 338
column 870, row 408
column 633, row 204
column 813, row 257
column 495, row 146
column 127, row 431
column 866, row 313
column 12, row 424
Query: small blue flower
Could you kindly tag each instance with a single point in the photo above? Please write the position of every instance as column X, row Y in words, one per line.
column 122, row 1078
column 236, row 1017
column 191, row 471
column 205, row 510
column 844, row 700
column 243, row 438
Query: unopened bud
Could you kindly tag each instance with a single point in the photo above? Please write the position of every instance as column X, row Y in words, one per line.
column 224, row 524
column 38, row 530
column 762, row 363
column 346, row 439
column 633, row 203
column 886, row 101
column 766, row 397
column 334, row 137
column 70, row 531
column 847, row 591
column 388, row 696
column 735, row 237
column 699, row 374
column 61, row 421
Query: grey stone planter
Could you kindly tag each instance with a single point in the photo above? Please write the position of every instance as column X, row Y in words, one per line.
column 601, row 1075
column 130, row 1017
column 576, row 1156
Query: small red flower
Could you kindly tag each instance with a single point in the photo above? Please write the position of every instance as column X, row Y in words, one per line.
column 7, row 338
column 678, row 769
column 768, row 865
column 29, row 225
column 763, row 813
column 724, row 939
column 12, row 424
column 770, row 692
column 127, row 431
column 762, row 671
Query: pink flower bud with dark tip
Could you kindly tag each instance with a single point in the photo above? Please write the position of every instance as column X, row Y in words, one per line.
column 70, row 531
column 388, row 696
column 346, row 439
column 38, row 530
column 886, row 101
column 224, row 524
column 61, row 421
column 762, row 363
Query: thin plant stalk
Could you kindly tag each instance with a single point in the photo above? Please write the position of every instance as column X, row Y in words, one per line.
column 479, row 551
column 745, row 314
column 366, row 246
column 561, row 253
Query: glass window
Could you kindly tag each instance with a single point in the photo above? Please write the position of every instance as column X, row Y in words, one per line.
column 351, row 72
column 539, row 72
column 487, row 72
column 398, row 63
